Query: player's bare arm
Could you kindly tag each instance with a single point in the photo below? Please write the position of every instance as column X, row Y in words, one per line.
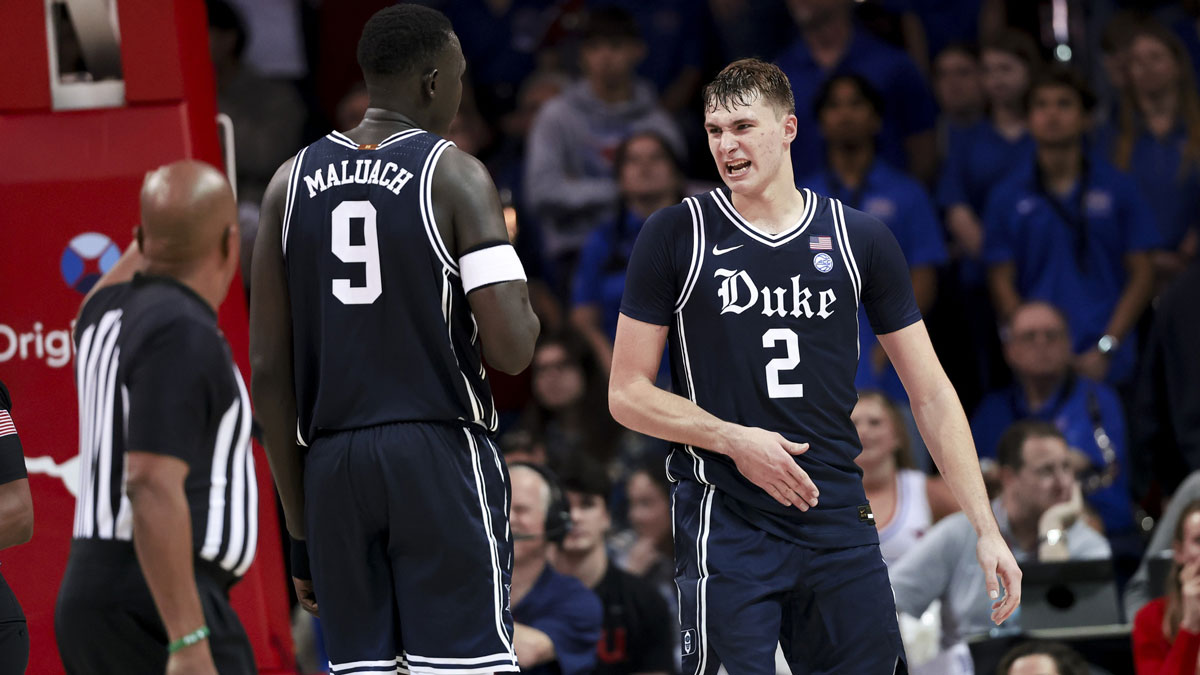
column 944, row 427
column 162, row 539
column 764, row 457
column 271, row 355
column 470, row 217
column 16, row 513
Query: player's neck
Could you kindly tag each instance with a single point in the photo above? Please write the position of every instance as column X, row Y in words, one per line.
column 776, row 208
column 379, row 123
column 588, row 567
column 1061, row 165
column 1038, row 390
column 851, row 162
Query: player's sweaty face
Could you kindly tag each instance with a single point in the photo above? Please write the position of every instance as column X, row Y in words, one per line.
column 747, row 142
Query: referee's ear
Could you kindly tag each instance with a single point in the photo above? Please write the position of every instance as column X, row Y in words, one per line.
column 230, row 240
column 138, row 237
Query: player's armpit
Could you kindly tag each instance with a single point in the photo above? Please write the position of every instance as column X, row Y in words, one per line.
column 272, row 380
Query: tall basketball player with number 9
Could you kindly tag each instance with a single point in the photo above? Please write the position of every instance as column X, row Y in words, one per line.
column 381, row 271
column 757, row 286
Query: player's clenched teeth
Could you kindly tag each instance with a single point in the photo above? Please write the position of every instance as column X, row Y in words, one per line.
column 737, row 168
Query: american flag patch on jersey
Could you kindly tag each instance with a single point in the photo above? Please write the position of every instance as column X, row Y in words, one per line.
column 820, row 243
column 6, row 424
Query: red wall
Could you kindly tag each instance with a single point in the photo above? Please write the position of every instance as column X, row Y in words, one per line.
column 66, row 173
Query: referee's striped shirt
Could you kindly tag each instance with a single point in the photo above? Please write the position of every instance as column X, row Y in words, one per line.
column 154, row 374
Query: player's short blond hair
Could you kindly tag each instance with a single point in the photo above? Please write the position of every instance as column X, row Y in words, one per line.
column 746, row 80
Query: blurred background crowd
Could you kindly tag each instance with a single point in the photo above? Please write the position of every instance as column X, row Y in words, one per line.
column 1038, row 161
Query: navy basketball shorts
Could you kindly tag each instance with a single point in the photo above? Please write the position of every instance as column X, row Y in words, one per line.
column 408, row 539
column 742, row 590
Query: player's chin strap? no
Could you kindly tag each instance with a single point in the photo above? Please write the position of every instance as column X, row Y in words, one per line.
column 491, row 263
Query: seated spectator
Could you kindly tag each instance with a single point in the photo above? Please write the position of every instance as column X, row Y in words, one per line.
column 638, row 634
column 1073, row 231
column 1138, row 591
column 647, row 550
column 958, row 89
column 1037, row 345
column 650, row 178
column 1156, row 138
column 830, row 43
column 1042, row 658
column 568, row 415
column 905, row 501
column 850, row 112
column 1166, row 632
column 1167, row 401
column 568, row 172
column 556, row 619
column 1039, row 513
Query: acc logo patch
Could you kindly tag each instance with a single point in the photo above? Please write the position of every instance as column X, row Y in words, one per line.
column 87, row 257
column 823, row 262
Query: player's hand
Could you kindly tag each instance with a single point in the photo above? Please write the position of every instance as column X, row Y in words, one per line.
column 999, row 567
column 306, row 595
column 194, row 660
column 1092, row 364
column 765, row 459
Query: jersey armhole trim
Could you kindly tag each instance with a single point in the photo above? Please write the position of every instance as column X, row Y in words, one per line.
column 426, row 206
column 290, row 197
column 697, row 262
column 843, row 237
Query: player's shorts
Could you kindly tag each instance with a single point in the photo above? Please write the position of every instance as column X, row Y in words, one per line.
column 408, row 539
column 106, row 620
column 742, row 590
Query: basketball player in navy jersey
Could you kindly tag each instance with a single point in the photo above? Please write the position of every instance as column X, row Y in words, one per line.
column 381, row 272
column 757, row 287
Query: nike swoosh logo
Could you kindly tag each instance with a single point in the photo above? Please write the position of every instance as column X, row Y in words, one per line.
column 723, row 251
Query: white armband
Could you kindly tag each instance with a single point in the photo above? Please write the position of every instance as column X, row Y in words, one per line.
column 492, row 265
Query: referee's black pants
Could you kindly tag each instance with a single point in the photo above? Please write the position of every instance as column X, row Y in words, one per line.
column 106, row 621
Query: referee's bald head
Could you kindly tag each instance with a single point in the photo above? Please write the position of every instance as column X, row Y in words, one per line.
column 189, row 222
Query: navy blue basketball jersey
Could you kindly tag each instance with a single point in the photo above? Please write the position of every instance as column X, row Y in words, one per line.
column 381, row 328
column 764, row 333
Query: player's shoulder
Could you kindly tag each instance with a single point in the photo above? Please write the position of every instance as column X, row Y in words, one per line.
column 672, row 223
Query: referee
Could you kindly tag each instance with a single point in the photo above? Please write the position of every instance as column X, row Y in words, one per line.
column 16, row 527
column 166, row 518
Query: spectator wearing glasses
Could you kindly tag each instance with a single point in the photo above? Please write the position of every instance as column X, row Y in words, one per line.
column 1037, row 346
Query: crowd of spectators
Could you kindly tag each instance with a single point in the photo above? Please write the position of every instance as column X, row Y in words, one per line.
column 1040, row 171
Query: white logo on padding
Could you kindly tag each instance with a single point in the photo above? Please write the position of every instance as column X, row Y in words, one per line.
column 823, row 262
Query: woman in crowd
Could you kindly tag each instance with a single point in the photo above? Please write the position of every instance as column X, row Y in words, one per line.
column 904, row 501
column 1156, row 137
column 1166, row 632
column 649, row 178
column 647, row 550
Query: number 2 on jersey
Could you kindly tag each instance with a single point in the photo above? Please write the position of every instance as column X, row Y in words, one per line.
column 366, row 253
column 776, row 389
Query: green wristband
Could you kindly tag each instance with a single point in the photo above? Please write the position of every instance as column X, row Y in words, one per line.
column 188, row 640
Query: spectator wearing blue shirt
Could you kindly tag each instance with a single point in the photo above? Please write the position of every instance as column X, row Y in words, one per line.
column 568, row 170
column 830, row 43
column 958, row 88
column 556, row 619
column 849, row 111
column 650, row 178
column 1037, row 345
column 1073, row 231
column 989, row 151
column 1156, row 137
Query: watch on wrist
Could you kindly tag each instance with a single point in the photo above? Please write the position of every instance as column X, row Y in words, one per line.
column 1108, row 344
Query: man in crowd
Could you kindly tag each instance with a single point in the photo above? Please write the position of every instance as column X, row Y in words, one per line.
column 1037, row 346
column 1073, row 231
column 638, row 634
column 556, row 618
column 1040, row 514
